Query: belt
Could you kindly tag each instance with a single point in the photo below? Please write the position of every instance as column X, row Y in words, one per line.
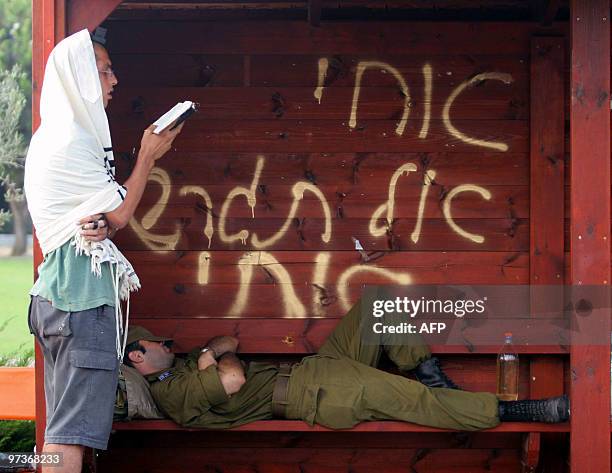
column 279, row 394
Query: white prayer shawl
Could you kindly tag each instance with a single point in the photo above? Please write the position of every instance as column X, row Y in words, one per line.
column 69, row 171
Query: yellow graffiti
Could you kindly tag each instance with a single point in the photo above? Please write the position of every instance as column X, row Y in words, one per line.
column 298, row 194
column 505, row 78
column 246, row 274
column 293, row 306
column 163, row 179
column 430, row 175
column 151, row 240
column 318, row 281
column 342, row 287
column 446, row 209
column 361, row 67
column 323, row 65
column 203, row 267
column 208, row 230
column 251, row 197
column 427, row 76
column 381, row 219
column 389, row 206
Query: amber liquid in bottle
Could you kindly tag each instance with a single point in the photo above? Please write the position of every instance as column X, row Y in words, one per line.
column 507, row 371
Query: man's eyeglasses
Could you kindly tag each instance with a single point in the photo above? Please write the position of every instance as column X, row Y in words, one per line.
column 108, row 71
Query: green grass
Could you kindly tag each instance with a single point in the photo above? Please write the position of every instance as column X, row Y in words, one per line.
column 16, row 279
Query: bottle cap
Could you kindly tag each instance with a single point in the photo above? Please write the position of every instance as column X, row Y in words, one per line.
column 508, row 334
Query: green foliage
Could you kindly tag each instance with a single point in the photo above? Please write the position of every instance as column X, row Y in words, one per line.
column 16, row 49
column 12, row 102
column 17, row 436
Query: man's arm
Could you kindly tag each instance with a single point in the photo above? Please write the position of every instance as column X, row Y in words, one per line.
column 223, row 344
column 152, row 147
column 231, row 373
column 217, row 347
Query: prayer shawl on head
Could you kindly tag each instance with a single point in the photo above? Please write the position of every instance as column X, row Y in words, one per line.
column 69, row 171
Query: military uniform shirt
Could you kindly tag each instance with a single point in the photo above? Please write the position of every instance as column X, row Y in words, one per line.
column 196, row 398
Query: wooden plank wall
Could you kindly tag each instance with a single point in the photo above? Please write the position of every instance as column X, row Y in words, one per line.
column 251, row 222
column 590, row 229
column 264, row 135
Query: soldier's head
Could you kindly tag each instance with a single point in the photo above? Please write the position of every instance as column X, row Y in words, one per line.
column 146, row 352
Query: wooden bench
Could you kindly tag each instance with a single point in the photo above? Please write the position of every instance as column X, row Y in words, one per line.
column 473, row 368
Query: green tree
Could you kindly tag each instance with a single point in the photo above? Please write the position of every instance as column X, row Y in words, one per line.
column 12, row 102
column 16, row 49
column 15, row 109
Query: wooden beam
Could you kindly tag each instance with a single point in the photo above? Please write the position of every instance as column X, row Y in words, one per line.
column 314, row 12
column 590, row 230
column 48, row 28
column 547, row 139
column 530, row 455
column 248, row 5
column 369, row 426
column 87, row 14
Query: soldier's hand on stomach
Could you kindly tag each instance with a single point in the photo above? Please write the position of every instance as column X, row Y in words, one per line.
column 206, row 359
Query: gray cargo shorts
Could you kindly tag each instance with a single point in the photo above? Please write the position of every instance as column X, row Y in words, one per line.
column 81, row 371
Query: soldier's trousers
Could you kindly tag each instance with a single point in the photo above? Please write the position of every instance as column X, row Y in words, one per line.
column 340, row 386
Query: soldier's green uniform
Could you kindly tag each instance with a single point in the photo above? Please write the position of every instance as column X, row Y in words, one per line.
column 195, row 398
column 338, row 388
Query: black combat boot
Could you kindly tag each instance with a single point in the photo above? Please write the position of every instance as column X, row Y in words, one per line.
column 430, row 374
column 551, row 410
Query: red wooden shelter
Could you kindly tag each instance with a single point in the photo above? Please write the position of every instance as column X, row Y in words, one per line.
column 434, row 135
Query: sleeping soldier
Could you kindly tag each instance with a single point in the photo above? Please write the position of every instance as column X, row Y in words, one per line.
column 338, row 387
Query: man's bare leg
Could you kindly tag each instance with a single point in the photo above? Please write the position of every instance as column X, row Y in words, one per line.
column 72, row 458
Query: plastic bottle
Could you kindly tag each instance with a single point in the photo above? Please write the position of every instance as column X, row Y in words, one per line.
column 507, row 371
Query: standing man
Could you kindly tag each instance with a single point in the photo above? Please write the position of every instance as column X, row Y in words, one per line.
column 76, row 207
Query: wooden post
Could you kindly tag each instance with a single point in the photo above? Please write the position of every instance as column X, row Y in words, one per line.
column 590, row 228
column 546, row 254
column 87, row 14
column 48, row 28
column 546, row 215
